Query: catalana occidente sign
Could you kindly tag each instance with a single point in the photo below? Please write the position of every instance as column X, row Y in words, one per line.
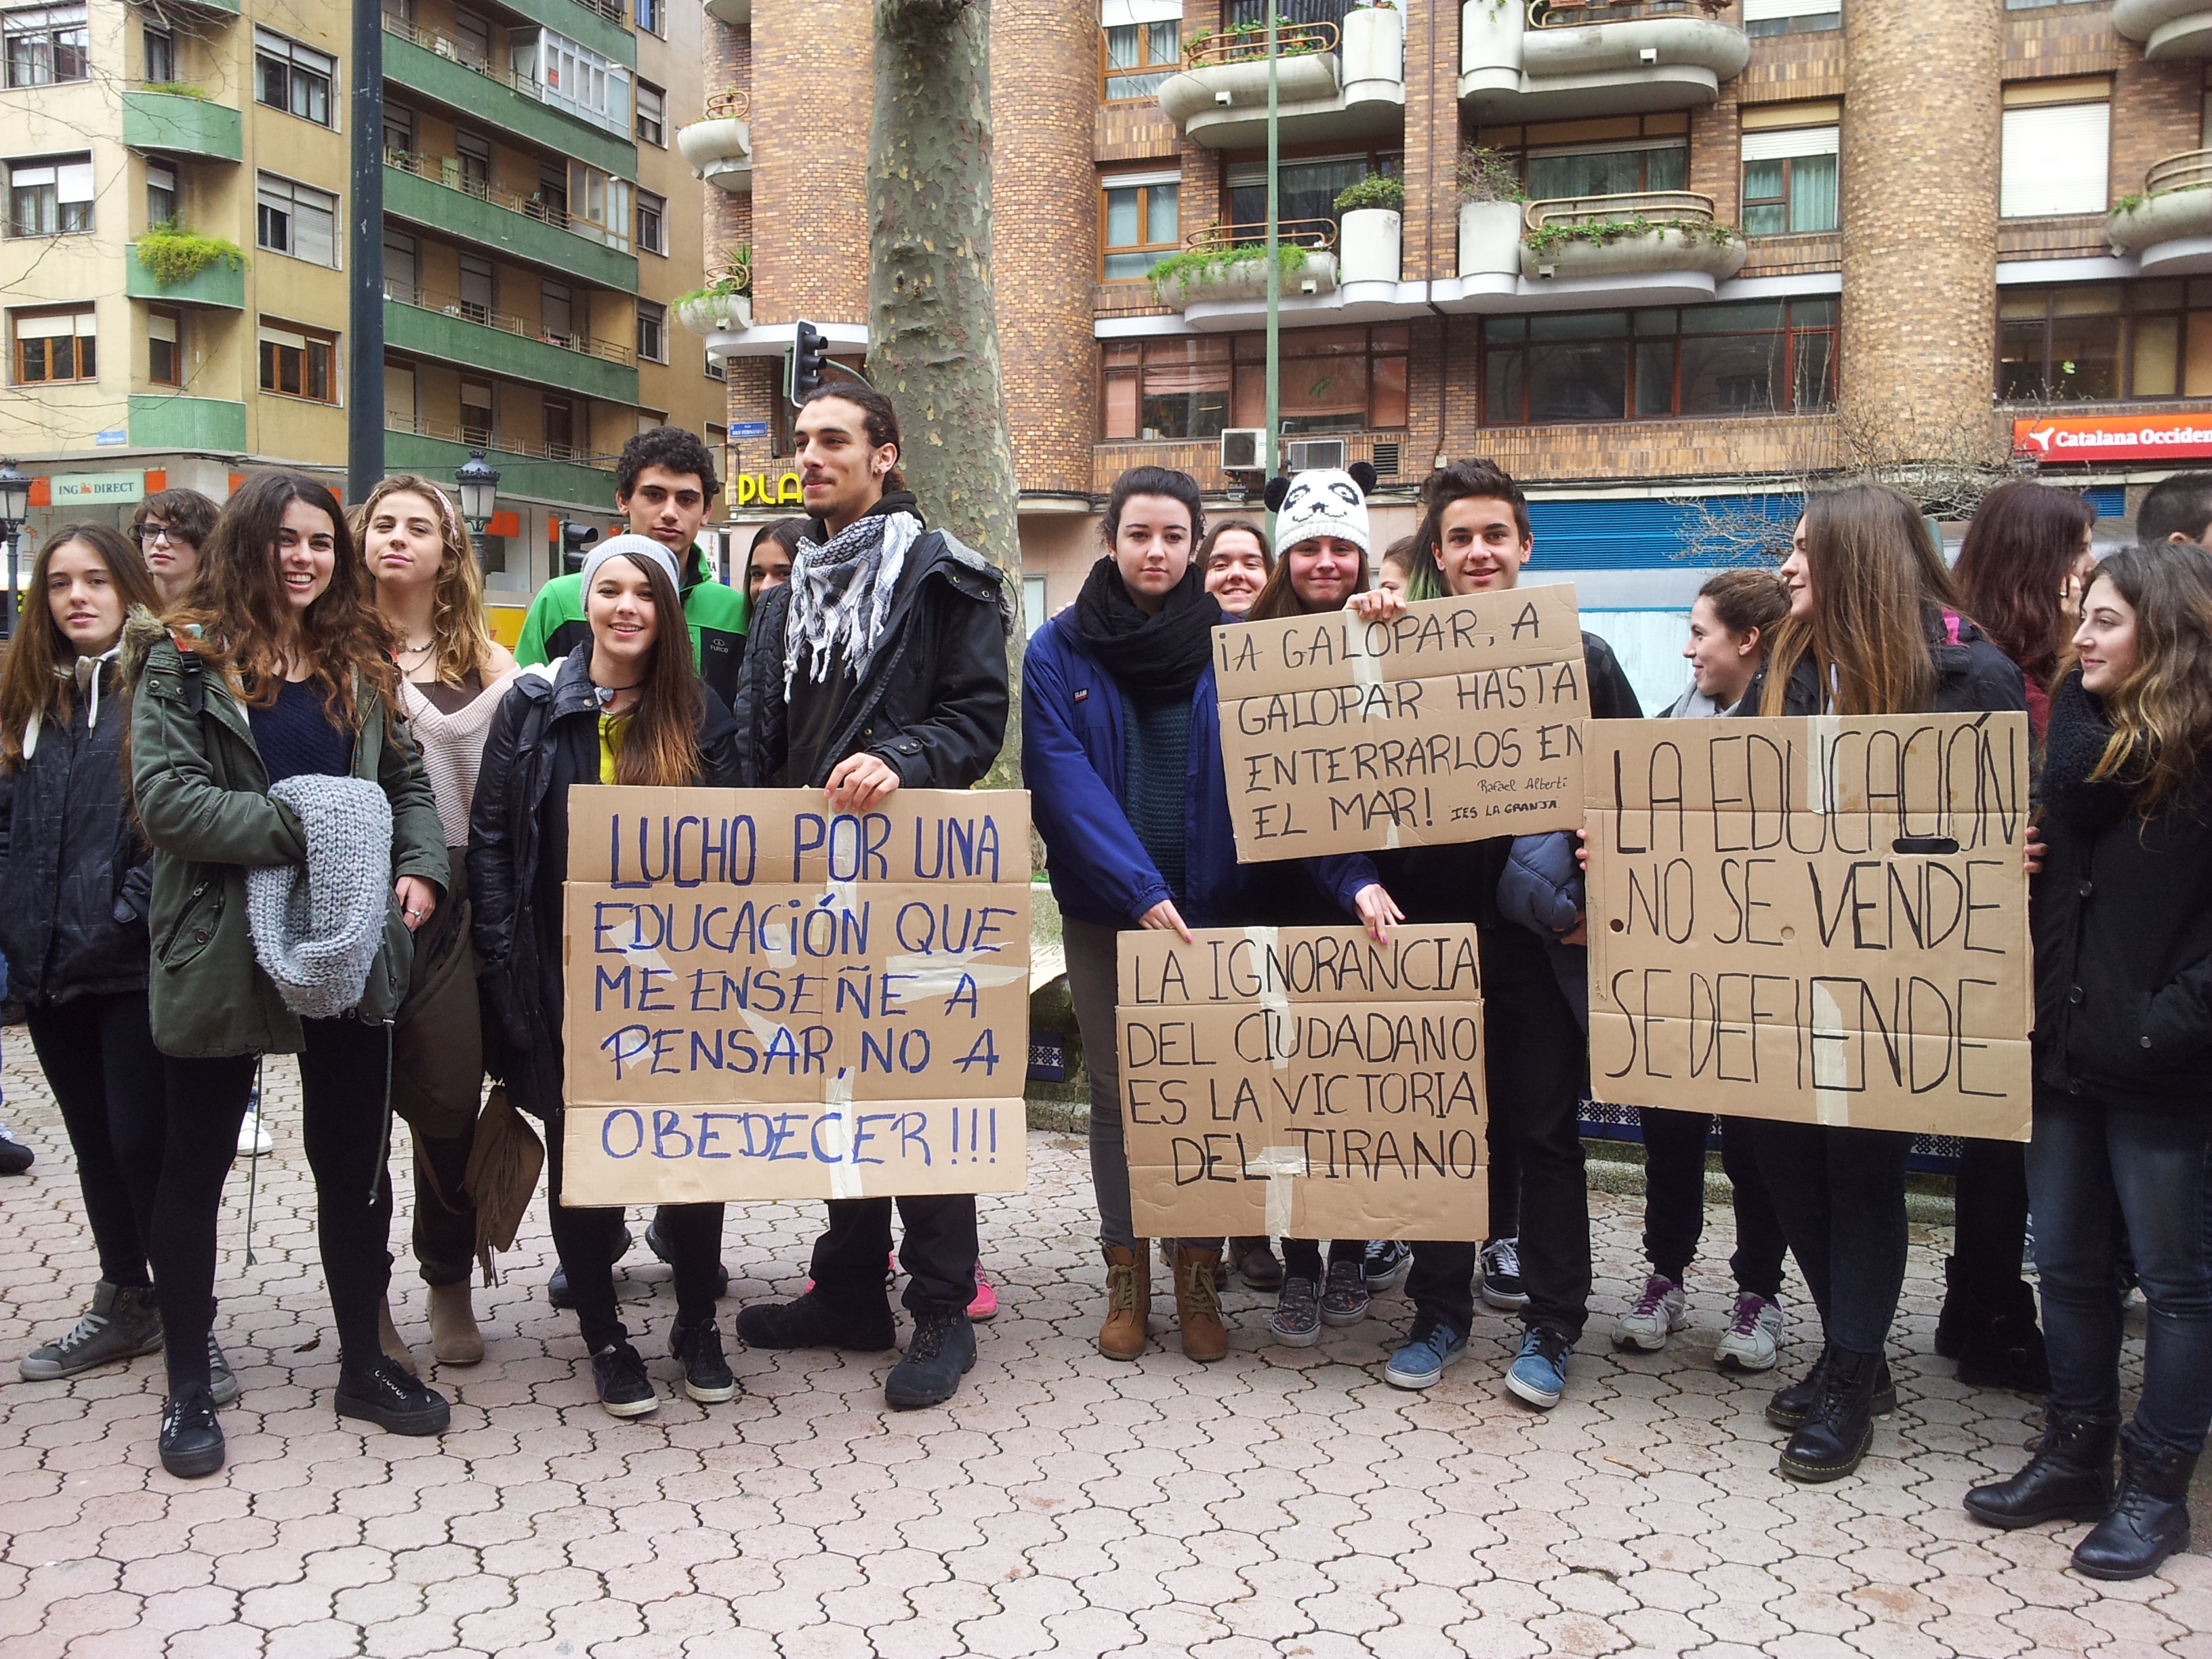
column 2113, row 437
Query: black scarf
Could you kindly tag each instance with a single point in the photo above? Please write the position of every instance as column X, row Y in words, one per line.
column 1159, row 655
column 2073, row 743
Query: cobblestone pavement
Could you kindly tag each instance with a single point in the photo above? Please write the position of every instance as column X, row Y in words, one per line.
column 1281, row 1502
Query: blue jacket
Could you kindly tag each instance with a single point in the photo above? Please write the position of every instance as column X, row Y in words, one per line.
column 1076, row 765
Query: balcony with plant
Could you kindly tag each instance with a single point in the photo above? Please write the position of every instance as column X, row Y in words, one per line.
column 1370, row 229
column 1546, row 60
column 724, row 306
column 2167, row 226
column 174, row 117
column 1332, row 81
column 1628, row 239
column 178, row 266
column 1222, row 272
column 2167, row 29
column 1491, row 199
column 719, row 146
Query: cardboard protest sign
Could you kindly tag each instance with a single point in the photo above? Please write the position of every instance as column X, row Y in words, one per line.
column 1821, row 920
column 1459, row 721
column 1304, row 1083
column 769, row 1000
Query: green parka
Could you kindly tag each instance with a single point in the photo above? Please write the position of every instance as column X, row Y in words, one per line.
column 203, row 799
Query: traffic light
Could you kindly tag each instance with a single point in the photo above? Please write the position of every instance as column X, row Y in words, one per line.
column 574, row 538
column 810, row 359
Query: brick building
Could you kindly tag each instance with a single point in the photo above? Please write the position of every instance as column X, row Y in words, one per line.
column 1757, row 240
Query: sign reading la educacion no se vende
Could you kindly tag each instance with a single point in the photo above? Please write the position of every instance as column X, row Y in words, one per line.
column 769, row 1000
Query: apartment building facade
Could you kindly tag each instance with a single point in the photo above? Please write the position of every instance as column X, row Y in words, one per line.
column 1664, row 261
column 175, row 267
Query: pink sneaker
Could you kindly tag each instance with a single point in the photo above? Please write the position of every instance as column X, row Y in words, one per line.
column 987, row 1300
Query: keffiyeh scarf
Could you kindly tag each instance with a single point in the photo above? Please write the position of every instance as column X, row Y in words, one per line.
column 842, row 592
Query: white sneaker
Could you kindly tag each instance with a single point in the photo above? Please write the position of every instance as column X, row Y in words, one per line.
column 1656, row 1314
column 254, row 1140
column 1753, row 1341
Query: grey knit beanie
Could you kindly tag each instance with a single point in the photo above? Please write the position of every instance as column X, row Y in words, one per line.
column 317, row 926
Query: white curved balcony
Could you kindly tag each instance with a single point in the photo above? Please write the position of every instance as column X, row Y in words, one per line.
column 1654, row 247
column 1220, row 279
column 716, row 314
column 738, row 13
column 720, row 148
column 2169, row 227
column 1559, row 59
column 1329, row 84
column 2167, row 28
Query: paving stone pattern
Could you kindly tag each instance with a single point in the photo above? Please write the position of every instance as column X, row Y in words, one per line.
column 1280, row 1502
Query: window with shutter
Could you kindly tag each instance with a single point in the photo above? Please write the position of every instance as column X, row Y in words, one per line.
column 2054, row 159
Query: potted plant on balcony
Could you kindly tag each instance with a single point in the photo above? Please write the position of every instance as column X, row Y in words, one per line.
column 175, row 255
column 724, row 306
column 1236, row 272
column 1374, row 46
column 1632, row 242
column 1489, row 198
column 1370, row 236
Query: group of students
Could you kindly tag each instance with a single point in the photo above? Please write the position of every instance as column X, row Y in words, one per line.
column 279, row 693
column 2112, row 664
column 268, row 786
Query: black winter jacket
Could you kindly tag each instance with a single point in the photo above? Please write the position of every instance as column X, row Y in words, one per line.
column 1457, row 881
column 75, row 876
column 544, row 738
column 1973, row 676
column 934, row 703
column 2122, row 919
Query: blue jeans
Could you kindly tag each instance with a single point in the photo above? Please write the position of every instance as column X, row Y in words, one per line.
column 2093, row 1165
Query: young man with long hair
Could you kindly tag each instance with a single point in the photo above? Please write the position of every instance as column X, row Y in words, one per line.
column 881, row 665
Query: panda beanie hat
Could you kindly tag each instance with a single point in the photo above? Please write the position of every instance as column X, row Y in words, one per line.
column 1325, row 501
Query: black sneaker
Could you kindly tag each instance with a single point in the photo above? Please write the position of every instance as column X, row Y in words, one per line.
column 706, row 1375
column 191, row 1440
column 625, row 1388
column 382, row 1394
column 814, row 1321
column 556, row 1288
column 1501, row 1275
column 1386, row 1263
column 659, row 1246
column 943, row 1350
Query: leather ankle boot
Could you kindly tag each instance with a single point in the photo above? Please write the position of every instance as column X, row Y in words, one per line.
column 454, row 1338
column 1129, row 1302
column 2150, row 1513
column 1789, row 1407
column 1831, row 1442
column 1197, row 1303
column 2003, row 1349
column 2068, row 1479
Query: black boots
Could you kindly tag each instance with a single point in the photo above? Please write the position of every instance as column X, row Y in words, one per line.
column 1833, row 1437
column 2068, row 1479
column 2150, row 1513
column 1992, row 1333
column 1790, row 1406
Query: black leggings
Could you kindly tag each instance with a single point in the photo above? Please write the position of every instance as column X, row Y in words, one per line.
column 99, row 1057
column 1302, row 1256
column 347, row 1135
column 587, row 1241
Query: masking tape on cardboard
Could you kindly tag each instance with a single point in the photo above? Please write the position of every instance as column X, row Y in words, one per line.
column 1826, row 731
column 837, row 1097
column 1272, row 997
column 1831, row 1105
column 1283, row 1166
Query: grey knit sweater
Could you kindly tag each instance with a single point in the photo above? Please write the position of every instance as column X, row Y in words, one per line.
column 317, row 926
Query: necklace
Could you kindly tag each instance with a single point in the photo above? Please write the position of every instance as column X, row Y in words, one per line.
column 605, row 694
column 418, row 650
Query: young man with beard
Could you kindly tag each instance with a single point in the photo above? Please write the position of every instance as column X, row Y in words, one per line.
column 881, row 665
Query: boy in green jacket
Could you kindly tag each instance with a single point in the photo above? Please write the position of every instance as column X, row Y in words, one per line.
column 665, row 483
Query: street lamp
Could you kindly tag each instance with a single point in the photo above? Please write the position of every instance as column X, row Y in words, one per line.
column 479, row 483
column 14, row 507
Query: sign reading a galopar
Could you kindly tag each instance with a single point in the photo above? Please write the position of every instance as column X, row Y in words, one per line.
column 1459, row 721
column 1821, row 920
column 769, row 1000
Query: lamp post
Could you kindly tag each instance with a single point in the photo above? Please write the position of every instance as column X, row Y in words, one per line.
column 479, row 484
column 14, row 507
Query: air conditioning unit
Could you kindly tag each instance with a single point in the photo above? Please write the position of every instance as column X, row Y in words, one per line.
column 1244, row 449
column 1310, row 454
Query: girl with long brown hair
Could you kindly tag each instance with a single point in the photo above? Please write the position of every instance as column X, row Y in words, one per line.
column 268, row 700
column 423, row 574
column 2122, row 914
column 1872, row 628
column 630, row 709
column 73, row 888
column 2021, row 574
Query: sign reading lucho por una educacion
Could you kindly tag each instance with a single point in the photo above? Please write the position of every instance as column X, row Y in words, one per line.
column 1304, row 1083
column 769, row 1000
column 1821, row 920
column 1459, row 721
